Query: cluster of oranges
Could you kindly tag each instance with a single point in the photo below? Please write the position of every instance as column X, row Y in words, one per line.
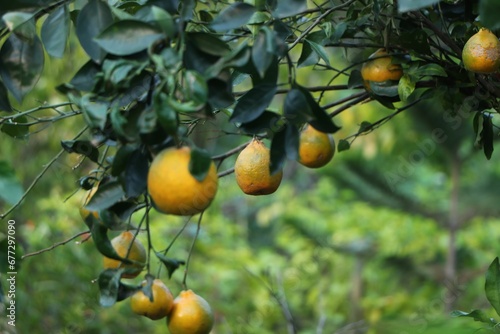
column 188, row 313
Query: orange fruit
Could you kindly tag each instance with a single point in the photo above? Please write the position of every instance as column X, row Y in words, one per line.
column 122, row 243
column 481, row 53
column 174, row 189
column 316, row 148
column 252, row 170
column 159, row 307
column 191, row 314
column 379, row 68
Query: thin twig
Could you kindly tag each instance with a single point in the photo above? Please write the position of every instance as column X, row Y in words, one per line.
column 57, row 244
column 226, row 172
column 355, row 99
column 184, row 279
column 318, row 21
column 39, row 176
column 231, row 152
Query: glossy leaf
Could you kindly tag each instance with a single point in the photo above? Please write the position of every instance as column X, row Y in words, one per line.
column 14, row 20
column 278, row 151
column 406, row 87
column 83, row 147
column 253, row 103
column 307, row 56
column 487, row 136
column 127, row 37
column 167, row 116
column 296, row 107
column 11, row 189
column 209, row 44
column 85, row 78
column 164, row 20
column 292, row 141
column 94, row 17
column 186, row 9
column 321, row 120
column 103, row 244
column 195, row 87
column 55, row 32
column 94, row 112
column 320, row 51
column 171, row 264
column 199, row 163
column 4, row 99
column 343, row 145
column 126, row 290
column 220, row 93
column 107, row 195
column 266, row 124
column 15, row 127
column 431, row 70
column 262, row 53
column 290, row 7
column 233, row 16
column 492, row 285
column 121, row 159
column 409, row 5
column 136, row 173
column 109, row 282
column 488, row 11
column 21, row 65
column 477, row 315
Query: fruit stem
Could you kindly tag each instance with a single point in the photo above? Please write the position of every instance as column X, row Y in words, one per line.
column 184, row 284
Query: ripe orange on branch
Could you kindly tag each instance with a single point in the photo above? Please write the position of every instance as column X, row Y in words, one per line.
column 191, row 314
column 122, row 243
column 481, row 53
column 252, row 170
column 380, row 68
column 316, row 148
column 174, row 189
column 155, row 309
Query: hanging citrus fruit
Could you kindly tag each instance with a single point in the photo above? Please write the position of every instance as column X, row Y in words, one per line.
column 316, row 148
column 155, row 309
column 191, row 314
column 380, row 68
column 174, row 189
column 122, row 243
column 252, row 170
column 481, row 53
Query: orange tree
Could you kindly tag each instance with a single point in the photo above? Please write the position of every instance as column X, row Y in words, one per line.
column 161, row 73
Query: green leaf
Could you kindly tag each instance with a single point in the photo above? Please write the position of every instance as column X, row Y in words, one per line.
column 187, row 8
column 21, row 65
column 488, row 13
column 55, row 31
column 267, row 124
column 307, row 57
column 16, row 127
column 253, row 103
column 84, row 147
column 126, row 290
column 164, row 20
column 487, row 135
column 11, row 189
column 290, row 7
column 199, row 163
column 292, row 141
column 170, row 264
column 94, row 112
column 121, row 159
column 278, row 150
column 320, row 51
column 262, row 53
column 209, row 44
column 343, row 145
column 492, row 285
column 430, row 70
column 94, row 17
column 195, row 87
column 109, row 282
column 136, row 173
column 85, row 78
column 15, row 20
column 167, row 116
column 220, row 92
column 296, row 107
column 321, row 120
column 405, row 87
column 233, row 16
column 128, row 37
column 4, row 99
column 477, row 315
column 107, row 195
column 386, row 88
column 409, row 5
column 103, row 244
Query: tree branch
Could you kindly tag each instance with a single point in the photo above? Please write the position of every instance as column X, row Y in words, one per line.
column 57, row 244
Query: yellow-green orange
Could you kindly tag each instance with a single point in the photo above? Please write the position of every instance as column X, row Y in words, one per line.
column 191, row 314
column 481, row 53
column 160, row 307
column 316, row 148
column 380, row 68
column 122, row 243
column 172, row 187
column 252, row 170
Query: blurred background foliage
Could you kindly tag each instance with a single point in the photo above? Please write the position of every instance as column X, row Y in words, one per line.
column 356, row 247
